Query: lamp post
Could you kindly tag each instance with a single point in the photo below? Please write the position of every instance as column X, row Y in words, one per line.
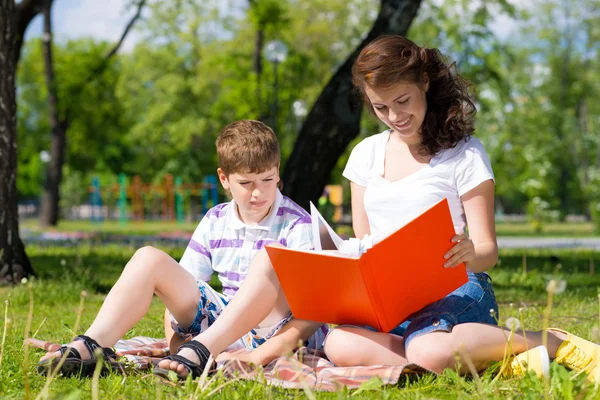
column 300, row 112
column 275, row 52
column 45, row 158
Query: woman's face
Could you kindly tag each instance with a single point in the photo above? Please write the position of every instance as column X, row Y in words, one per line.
column 402, row 107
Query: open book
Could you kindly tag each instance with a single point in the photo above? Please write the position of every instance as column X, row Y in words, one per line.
column 374, row 281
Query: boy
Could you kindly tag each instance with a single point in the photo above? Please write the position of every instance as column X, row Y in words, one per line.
column 226, row 241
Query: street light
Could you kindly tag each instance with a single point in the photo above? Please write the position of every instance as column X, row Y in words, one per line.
column 300, row 112
column 45, row 158
column 275, row 52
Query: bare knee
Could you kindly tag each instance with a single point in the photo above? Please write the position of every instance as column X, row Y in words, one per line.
column 431, row 353
column 147, row 257
column 340, row 348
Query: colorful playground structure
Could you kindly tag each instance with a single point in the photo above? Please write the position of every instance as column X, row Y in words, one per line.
column 171, row 191
column 131, row 195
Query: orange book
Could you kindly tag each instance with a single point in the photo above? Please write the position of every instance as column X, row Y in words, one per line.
column 380, row 286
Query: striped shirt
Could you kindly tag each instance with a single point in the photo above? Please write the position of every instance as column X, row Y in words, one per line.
column 223, row 243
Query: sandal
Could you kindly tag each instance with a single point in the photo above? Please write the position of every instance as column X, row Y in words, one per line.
column 74, row 365
column 195, row 369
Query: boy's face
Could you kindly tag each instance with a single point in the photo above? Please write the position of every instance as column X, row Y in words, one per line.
column 254, row 193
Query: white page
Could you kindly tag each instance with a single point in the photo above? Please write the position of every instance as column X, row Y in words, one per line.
column 317, row 220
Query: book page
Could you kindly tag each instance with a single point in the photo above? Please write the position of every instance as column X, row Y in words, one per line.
column 319, row 222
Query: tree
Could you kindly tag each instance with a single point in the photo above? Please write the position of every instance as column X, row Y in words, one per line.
column 59, row 123
column 14, row 19
column 334, row 120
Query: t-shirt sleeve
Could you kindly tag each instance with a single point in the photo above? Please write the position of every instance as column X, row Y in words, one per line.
column 473, row 168
column 197, row 259
column 300, row 235
column 360, row 162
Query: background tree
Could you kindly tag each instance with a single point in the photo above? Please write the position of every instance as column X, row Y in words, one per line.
column 14, row 19
column 59, row 121
column 334, row 120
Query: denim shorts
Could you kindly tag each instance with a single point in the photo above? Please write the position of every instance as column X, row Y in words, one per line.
column 472, row 302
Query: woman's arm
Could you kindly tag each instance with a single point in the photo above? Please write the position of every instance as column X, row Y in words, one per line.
column 285, row 341
column 360, row 222
column 478, row 204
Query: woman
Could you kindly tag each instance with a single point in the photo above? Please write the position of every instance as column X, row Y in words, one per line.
column 428, row 154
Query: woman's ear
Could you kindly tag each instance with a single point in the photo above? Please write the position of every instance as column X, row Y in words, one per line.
column 425, row 82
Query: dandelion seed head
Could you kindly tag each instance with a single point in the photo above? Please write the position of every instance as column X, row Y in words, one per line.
column 23, row 281
column 561, row 286
column 513, row 323
column 63, row 262
column 511, row 305
column 551, row 286
column 521, row 309
column 83, row 293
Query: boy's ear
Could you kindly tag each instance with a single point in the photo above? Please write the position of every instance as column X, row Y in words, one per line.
column 223, row 179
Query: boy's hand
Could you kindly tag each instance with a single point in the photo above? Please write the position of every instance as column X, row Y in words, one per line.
column 462, row 252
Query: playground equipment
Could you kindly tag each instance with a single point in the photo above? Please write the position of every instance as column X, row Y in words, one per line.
column 171, row 192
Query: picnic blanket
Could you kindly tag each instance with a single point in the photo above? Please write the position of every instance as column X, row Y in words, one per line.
column 305, row 368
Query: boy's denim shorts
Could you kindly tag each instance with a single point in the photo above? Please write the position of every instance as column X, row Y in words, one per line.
column 472, row 302
column 212, row 304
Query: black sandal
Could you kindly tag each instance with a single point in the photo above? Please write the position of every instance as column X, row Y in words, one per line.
column 74, row 365
column 194, row 369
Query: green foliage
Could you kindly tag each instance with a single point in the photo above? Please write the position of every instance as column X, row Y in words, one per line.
column 159, row 108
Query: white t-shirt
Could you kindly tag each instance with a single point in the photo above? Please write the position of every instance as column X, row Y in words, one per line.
column 390, row 205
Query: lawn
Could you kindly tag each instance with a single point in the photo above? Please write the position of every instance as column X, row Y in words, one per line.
column 65, row 272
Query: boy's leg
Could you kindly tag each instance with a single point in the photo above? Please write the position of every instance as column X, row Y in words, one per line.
column 258, row 297
column 148, row 272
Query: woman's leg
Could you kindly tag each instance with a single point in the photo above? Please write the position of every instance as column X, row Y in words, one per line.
column 349, row 346
column 259, row 299
column 148, row 272
column 483, row 344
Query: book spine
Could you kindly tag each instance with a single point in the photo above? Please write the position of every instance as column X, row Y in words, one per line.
column 373, row 293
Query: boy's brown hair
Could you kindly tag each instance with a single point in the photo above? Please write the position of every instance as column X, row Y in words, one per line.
column 247, row 146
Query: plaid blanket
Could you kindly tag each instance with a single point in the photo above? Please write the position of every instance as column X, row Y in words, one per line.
column 304, row 369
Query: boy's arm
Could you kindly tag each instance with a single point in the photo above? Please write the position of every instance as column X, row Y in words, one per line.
column 281, row 344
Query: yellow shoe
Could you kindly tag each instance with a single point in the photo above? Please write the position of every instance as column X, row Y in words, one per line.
column 579, row 354
column 535, row 360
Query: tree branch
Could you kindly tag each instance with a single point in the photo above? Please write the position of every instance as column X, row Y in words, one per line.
column 127, row 29
column 25, row 11
column 104, row 63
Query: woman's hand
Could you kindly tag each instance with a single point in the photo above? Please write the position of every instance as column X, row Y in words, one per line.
column 462, row 252
column 251, row 357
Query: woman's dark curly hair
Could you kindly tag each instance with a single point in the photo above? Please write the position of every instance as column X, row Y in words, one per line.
column 392, row 59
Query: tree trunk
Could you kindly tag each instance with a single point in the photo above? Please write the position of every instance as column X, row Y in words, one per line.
column 51, row 198
column 334, row 119
column 14, row 264
column 59, row 123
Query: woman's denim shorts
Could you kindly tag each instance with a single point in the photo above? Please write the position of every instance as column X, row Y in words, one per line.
column 472, row 302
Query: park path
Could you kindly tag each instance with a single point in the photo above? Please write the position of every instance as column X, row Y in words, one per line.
column 545, row 242
column 181, row 239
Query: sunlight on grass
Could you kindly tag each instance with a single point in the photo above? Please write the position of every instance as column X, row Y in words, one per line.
column 64, row 273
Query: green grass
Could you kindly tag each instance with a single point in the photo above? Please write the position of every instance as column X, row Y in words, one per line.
column 63, row 273
column 578, row 229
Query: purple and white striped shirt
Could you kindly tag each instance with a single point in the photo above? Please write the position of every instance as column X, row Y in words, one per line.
column 222, row 243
